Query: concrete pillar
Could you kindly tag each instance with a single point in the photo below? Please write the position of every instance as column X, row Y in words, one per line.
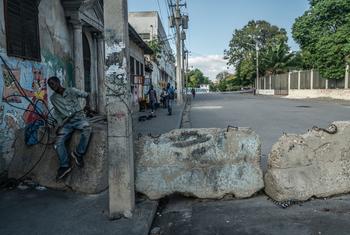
column 347, row 76
column 78, row 55
column 101, row 91
column 118, row 106
column 326, row 83
column 270, row 87
column 299, row 74
column 289, row 80
column 312, row 80
column 94, row 64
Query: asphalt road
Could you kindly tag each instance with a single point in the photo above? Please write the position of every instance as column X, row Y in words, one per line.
column 270, row 117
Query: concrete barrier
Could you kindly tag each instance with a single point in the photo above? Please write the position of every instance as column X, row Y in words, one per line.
column 93, row 178
column 313, row 164
column 205, row 163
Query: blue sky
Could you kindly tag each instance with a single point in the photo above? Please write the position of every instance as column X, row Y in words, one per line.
column 212, row 23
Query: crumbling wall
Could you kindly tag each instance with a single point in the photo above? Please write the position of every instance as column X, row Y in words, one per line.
column 313, row 164
column 40, row 163
column 56, row 60
column 206, row 163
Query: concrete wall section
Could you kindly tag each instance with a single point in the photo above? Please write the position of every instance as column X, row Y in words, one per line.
column 205, row 163
column 313, row 164
column 137, row 52
column 320, row 93
column 266, row 92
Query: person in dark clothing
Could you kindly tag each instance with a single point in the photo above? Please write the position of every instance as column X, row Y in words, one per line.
column 170, row 95
column 152, row 95
column 163, row 98
column 193, row 91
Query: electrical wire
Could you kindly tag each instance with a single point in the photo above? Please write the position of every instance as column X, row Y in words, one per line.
column 47, row 119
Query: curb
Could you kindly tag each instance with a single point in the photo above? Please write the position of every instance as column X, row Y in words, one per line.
column 178, row 125
column 151, row 218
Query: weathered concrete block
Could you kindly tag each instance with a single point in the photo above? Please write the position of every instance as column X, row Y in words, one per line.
column 312, row 164
column 206, row 163
column 93, row 178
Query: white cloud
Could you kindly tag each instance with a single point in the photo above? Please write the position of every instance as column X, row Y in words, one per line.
column 210, row 65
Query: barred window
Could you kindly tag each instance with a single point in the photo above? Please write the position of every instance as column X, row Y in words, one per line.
column 22, row 29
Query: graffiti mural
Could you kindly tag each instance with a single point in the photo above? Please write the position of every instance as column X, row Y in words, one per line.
column 10, row 91
column 28, row 106
column 38, row 96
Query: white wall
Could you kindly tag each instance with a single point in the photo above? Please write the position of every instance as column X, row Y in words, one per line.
column 320, row 93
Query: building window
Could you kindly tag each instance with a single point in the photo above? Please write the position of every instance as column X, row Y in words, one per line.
column 22, row 29
column 145, row 36
column 137, row 68
column 132, row 66
column 142, row 73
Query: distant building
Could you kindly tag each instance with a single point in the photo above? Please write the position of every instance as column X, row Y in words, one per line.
column 140, row 71
column 203, row 88
column 149, row 26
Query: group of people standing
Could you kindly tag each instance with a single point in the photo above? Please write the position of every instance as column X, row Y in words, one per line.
column 166, row 98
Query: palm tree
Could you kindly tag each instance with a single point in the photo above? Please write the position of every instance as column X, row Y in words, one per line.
column 276, row 59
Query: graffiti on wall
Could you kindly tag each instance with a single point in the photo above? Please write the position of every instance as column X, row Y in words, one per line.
column 20, row 107
column 10, row 92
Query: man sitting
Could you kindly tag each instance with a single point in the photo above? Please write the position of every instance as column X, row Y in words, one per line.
column 70, row 117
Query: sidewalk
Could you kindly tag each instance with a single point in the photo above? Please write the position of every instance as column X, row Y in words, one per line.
column 30, row 211
column 52, row 212
column 162, row 123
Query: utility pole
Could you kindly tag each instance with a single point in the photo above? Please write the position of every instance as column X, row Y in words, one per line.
column 177, row 20
column 186, row 73
column 178, row 52
column 118, row 101
column 257, row 65
column 183, row 38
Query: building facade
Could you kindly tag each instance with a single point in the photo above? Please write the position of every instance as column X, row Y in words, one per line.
column 139, row 71
column 44, row 38
column 149, row 26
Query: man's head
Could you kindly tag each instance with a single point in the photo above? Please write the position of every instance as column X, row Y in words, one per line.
column 54, row 84
column 168, row 85
column 151, row 87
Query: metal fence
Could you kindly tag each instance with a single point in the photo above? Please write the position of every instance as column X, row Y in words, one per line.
column 308, row 79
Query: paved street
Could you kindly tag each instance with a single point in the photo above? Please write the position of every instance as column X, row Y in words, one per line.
column 268, row 116
column 31, row 211
column 254, row 216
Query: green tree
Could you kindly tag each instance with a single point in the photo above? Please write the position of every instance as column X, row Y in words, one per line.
column 323, row 35
column 272, row 43
column 196, row 77
column 157, row 49
column 242, row 44
column 226, row 82
column 222, row 75
column 277, row 59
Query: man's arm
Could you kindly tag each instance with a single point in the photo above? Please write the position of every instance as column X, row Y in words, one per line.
column 83, row 94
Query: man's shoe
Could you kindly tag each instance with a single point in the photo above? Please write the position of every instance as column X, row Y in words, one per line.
column 78, row 159
column 62, row 172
